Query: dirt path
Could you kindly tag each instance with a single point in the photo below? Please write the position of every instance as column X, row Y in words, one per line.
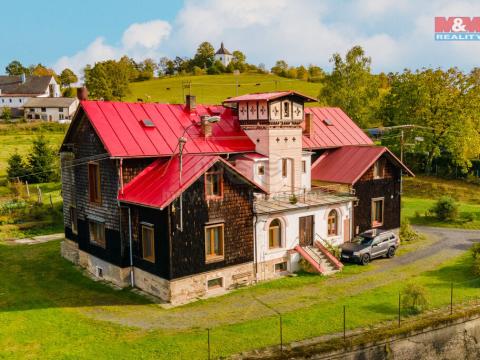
column 248, row 304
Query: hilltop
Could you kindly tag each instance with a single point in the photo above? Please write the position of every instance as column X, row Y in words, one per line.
column 213, row 89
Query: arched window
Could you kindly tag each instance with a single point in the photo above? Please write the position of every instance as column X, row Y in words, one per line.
column 275, row 234
column 332, row 223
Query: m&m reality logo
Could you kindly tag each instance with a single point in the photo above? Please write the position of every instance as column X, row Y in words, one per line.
column 457, row 28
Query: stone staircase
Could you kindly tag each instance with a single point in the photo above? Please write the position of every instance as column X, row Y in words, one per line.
column 327, row 265
column 320, row 259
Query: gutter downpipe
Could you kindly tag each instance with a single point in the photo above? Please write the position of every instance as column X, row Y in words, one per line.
column 132, row 277
column 255, row 248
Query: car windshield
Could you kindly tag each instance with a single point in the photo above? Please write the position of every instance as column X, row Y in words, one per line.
column 363, row 240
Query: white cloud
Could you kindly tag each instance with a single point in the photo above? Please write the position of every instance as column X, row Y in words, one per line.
column 139, row 40
column 148, row 35
column 396, row 34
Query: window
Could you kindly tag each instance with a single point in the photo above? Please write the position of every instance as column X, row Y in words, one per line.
column 214, row 283
column 332, row 223
column 284, row 167
column 73, row 220
column 275, row 234
column 20, row 100
column 286, row 109
column 261, row 170
column 281, row 267
column 97, row 233
column 148, row 242
column 60, row 109
column 377, row 212
column 94, row 182
column 32, row 110
column 213, row 185
column 60, row 117
column 379, row 169
column 214, row 242
column 43, row 109
column 304, row 166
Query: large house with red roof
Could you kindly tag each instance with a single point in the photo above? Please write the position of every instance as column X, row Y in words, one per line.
column 187, row 200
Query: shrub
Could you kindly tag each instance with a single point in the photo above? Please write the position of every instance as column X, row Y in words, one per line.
column 475, row 249
column 6, row 114
column 446, row 209
column 407, row 233
column 469, row 217
column 414, row 298
column 476, row 267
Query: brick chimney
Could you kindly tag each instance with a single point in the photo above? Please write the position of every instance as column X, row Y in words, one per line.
column 190, row 102
column 308, row 125
column 206, row 127
column 82, row 93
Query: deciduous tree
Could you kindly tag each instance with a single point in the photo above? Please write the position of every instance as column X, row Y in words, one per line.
column 351, row 86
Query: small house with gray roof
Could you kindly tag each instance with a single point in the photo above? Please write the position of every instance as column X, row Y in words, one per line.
column 15, row 91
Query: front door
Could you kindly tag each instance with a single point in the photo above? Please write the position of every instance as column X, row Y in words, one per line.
column 306, row 230
column 346, row 230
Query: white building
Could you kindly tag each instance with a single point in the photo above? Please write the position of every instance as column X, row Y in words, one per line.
column 60, row 109
column 293, row 219
column 15, row 91
column 223, row 55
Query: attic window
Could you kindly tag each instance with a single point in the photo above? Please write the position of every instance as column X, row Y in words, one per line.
column 147, row 123
column 328, row 122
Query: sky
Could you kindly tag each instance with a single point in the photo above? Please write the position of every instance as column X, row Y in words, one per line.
column 396, row 34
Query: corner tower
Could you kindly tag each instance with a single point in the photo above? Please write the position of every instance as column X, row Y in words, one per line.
column 273, row 122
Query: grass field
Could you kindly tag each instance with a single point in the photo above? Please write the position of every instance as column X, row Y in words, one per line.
column 213, row 89
column 49, row 310
column 421, row 193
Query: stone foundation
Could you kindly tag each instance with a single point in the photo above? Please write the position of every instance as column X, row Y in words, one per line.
column 69, row 250
column 177, row 291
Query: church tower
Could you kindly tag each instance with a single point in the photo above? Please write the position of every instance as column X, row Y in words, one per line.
column 273, row 122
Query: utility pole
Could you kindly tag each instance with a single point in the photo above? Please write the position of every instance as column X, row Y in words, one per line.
column 401, row 145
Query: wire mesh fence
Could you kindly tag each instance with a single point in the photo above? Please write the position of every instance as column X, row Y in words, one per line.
column 344, row 324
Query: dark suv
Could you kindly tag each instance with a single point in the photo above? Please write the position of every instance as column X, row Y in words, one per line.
column 370, row 245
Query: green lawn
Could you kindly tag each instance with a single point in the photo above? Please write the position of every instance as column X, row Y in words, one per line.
column 49, row 310
column 213, row 89
column 421, row 193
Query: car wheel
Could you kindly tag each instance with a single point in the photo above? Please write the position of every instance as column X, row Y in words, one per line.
column 365, row 259
column 391, row 252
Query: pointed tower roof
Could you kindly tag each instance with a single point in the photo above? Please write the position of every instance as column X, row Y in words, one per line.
column 222, row 50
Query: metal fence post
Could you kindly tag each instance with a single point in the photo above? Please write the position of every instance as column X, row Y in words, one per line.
column 281, row 333
column 208, row 339
column 451, row 299
column 399, row 308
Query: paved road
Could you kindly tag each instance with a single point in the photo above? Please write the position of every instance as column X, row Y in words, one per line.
column 454, row 240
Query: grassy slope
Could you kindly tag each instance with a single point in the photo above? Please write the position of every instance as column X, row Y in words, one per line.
column 421, row 193
column 53, row 314
column 213, row 89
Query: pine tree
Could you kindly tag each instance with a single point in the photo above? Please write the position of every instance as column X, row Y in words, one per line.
column 41, row 161
column 16, row 167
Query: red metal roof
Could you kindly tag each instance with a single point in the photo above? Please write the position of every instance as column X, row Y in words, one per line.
column 267, row 96
column 254, row 156
column 119, row 126
column 347, row 164
column 159, row 184
column 342, row 131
